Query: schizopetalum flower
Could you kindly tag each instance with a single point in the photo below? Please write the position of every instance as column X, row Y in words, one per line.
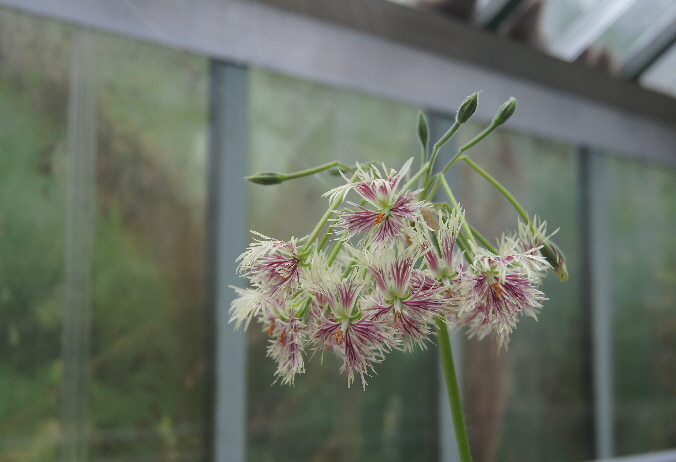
column 498, row 288
column 271, row 265
column 360, row 340
column 405, row 297
column 391, row 211
column 441, row 263
column 361, row 343
column 361, row 298
column 286, row 347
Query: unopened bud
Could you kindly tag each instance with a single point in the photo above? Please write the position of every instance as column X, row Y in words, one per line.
column 467, row 108
column 423, row 134
column 554, row 257
column 267, row 178
column 505, row 112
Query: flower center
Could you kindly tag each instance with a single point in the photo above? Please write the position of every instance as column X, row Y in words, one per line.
column 284, row 270
column 497, row 289
column 379, row 218
column 397, row 317
column 338, row 338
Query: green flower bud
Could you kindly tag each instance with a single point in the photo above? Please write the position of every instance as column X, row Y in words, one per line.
column 467, row 108
column 505, row 112
column 423, row 134
column 554, row 257
column 267, row 178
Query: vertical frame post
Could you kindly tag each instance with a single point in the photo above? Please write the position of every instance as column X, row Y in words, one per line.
column 227, row 239
column 601, row 309
column 79, row 247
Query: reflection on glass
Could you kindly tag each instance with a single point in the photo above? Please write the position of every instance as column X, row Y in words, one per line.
column 530, row 402
column 641, row 214
column 145, row 368
column 296, row 125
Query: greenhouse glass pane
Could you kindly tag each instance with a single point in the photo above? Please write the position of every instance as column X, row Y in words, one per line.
column 611, row 30
column 660, row 76
column 149, row 351
column 635, row 28
column 296, row 125
column 142, row 317
column 34, row 74
column 641, row 214
column 558, row 17
column 532, row 401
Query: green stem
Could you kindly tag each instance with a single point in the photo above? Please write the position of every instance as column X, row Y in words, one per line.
column 431, row 187
column 313, row 170
column 325, row 239
column 465, row 226
column 501, row 189
column 474, row 141
column 334, row 252
column 416, row 177
column 447, row 136
column 453, row 390
column 324, row 219
column 483, row 240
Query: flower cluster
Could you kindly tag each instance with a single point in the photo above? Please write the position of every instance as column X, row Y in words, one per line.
column 397, row 265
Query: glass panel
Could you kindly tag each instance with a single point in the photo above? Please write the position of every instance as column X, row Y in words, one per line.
column 629, row 34
column 532, row 401
column 641, row 211
column 660, row 76
column 296, row 125
column 591, row 20
column 145, row 368
column 610, row 30
column 34, row 71
column 148, row 355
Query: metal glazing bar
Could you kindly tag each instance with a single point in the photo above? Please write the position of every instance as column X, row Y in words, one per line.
column 79, row 247
column 227, row 240
column 602, row 312
column 586, row 289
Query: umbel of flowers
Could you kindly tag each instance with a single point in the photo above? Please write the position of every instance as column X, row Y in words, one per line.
column 389, row 265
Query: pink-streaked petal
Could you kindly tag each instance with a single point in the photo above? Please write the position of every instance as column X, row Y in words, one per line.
column 287, row 348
